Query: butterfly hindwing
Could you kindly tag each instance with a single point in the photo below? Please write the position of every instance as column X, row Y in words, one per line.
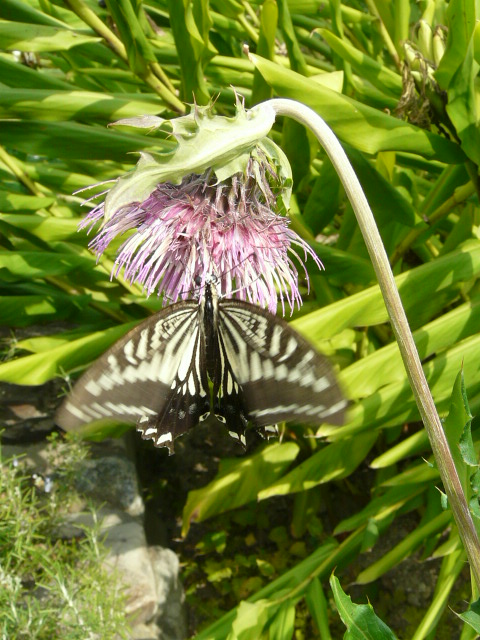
column 229, row 405
column 280, row 375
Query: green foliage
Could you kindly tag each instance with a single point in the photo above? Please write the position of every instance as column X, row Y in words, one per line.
column 51, row 586
column 360, row 620
column 398, row 84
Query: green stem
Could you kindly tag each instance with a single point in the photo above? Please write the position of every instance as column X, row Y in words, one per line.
column 398, row 319
column 459, row 195
column 13, row 165
column 248, row 28
column 151, row 77
column 385, row 35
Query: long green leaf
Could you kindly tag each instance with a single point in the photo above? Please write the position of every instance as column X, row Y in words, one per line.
column 74, row 105
column 19, row 36
column 238, row 482
column 362, row 127
column 332, row 462
column 38, row 368
column 411, row 542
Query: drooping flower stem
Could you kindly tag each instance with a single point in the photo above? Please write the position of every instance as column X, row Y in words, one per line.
column 398, row 319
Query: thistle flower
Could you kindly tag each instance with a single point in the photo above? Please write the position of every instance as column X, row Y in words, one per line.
column 208, row 210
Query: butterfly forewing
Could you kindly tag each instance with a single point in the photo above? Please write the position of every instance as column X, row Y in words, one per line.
column 281, row 376
column 152, row 376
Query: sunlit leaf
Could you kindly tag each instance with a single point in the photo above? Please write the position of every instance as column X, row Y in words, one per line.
column 332, row 462
column 31, row 37
column 238, row 482
column 362, row 127
column 360, row 619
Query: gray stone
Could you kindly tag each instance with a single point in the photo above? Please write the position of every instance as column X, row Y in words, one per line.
column 171, row 617
column 145, row 632
column 128, row 554
column 155, row 597
column 111, row 479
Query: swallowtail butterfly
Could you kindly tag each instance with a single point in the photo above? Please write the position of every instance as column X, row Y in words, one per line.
column 261, row 372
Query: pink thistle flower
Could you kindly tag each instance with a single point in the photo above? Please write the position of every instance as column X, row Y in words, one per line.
column 208, row 209
column 186, row 234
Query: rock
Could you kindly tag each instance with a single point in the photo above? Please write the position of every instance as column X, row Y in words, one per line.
column 111, row 479
column 128, row 554
column 171, row 617
column 145, row 632
column 155, row 597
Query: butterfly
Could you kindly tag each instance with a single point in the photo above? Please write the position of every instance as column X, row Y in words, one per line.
column 197, row 357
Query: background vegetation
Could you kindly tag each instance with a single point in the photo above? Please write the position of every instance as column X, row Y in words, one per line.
column 397, row 82
column 53, row 586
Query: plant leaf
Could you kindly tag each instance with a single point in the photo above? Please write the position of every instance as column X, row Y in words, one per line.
column 360, row 619
column 238, row 482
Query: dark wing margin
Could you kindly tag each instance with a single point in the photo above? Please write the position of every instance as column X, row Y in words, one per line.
column 141, row 377
column 281, row 376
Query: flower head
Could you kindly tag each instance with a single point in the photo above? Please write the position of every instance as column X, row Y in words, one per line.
column 222, row 222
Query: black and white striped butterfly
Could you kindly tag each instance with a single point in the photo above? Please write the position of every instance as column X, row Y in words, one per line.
column 261, row 372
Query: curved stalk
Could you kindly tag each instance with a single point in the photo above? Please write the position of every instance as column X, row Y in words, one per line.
column 398, row 319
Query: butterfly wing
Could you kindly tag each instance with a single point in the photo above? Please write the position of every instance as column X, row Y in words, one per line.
column 153, row 376
column 278, row 375
column 228, row 395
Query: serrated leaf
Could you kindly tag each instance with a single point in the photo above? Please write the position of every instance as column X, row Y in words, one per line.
column 472, row 616
column 203, row 141
column 360, row 619
column 458, row 433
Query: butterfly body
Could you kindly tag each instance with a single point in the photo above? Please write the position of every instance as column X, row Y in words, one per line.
column 261, row 372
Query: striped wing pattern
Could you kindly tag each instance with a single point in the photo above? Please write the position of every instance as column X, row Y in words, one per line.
column 262, row 372
column 280, row 375
column 152, row 376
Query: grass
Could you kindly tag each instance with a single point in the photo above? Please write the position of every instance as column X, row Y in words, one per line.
column 52, row 587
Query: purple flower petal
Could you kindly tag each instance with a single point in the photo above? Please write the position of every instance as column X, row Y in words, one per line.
column 184, row 235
